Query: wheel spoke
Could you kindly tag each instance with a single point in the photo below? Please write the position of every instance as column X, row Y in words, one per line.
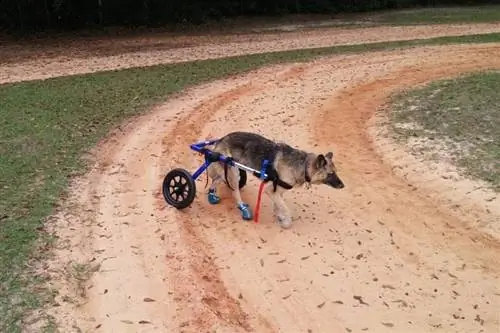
column 171, row 190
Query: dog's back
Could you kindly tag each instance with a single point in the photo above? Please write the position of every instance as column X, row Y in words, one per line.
column 247, row 148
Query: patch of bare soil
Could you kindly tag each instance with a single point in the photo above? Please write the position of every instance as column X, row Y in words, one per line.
column 31, row 61
column 388, row 253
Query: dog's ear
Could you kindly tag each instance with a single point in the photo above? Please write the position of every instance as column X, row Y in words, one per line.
column 329, row 155
column 320, row 161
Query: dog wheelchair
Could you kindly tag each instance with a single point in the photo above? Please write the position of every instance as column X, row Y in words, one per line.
column 179, row 187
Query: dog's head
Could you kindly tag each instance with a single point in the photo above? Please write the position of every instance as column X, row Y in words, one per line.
column 325, row 172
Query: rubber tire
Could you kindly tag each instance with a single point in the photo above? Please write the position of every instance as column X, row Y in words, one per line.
column 191, row 191
column 243, row 178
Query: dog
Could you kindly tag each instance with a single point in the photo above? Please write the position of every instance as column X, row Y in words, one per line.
column 287, row 166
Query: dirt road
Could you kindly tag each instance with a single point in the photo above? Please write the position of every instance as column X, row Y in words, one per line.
column 388, row 253
column 19, row 62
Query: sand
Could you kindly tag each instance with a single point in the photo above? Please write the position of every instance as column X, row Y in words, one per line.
column 399, row 249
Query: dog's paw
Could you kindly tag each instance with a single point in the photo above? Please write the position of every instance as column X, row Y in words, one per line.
column 284, row 221
column 246, row 212
column 213, row 198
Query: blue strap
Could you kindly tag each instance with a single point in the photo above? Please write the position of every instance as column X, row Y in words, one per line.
column 263, row 171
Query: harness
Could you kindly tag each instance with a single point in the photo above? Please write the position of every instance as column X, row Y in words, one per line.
column 272, row 175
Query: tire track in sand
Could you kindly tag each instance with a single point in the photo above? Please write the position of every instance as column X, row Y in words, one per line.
column 408, row 250
column 117, row 227
column 214, row 297
column 381, row 249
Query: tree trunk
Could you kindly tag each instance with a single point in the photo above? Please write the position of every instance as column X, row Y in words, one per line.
column 297, row 6
column 145, row 10
column 48, row 18
column 21, row 15
column 100, row 10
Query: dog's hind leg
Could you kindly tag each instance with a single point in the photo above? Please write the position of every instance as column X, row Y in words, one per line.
column 215, row 172
column 233, row 177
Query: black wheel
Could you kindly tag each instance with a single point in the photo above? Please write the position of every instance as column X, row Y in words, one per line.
column 243, row 178
column 179, row 188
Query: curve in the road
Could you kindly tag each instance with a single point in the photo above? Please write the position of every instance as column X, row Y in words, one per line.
column 382, row 249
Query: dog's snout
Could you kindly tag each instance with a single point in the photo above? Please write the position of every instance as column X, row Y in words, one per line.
column 334, row 181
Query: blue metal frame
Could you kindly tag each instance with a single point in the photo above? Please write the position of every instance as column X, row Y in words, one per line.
column 200, row 147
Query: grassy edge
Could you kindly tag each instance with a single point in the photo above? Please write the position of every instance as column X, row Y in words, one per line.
column 304, row 55
column 481, row 13
column 429, row 120
column 233, row 65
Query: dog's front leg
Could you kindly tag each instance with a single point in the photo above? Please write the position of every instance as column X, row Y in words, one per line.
column 280, row 209
column 285, row 216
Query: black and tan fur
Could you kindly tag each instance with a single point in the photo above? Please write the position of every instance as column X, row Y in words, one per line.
column 293, row 166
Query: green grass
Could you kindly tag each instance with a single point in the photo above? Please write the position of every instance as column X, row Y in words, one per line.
column 47, row 125
column 414, row 16
column 461, row 117
column 444, row 15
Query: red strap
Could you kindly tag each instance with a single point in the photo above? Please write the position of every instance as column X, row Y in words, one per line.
column 259, row 197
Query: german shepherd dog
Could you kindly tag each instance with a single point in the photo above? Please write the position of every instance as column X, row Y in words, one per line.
column 289, row 166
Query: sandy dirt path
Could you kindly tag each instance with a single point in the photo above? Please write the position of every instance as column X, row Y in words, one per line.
column 386, row 254
column 22, row 61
